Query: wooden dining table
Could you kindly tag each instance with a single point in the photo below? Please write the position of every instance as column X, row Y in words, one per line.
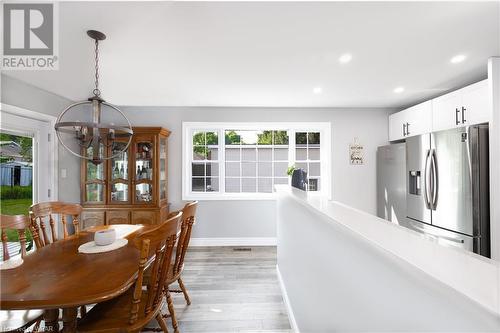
column 57, row 276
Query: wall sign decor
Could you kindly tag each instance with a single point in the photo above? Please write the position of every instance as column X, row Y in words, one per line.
column 356, row 153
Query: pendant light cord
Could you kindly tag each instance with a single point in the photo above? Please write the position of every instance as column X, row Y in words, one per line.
column 96, row 91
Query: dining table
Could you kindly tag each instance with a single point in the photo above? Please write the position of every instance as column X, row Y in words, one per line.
column 57, row 276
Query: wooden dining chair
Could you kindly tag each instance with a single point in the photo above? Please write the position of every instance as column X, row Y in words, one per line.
column 44, row 212
column 188, row 220
column 134, row 309
column 17, row 320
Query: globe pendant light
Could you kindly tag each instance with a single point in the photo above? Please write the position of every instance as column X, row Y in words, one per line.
column 105, row 132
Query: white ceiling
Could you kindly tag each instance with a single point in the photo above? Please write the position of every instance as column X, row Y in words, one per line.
column 271, row 53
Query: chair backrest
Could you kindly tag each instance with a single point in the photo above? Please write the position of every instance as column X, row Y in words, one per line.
column 159, row 242
column 188, row 220
column 14, row 222
column 41, row 212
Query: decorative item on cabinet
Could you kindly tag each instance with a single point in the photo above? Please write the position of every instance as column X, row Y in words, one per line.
column 131, row 187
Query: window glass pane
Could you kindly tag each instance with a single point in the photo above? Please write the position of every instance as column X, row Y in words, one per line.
column 212, row 169
column 281, row 154
column 232, row 138
column 314, row 169
column 143, row 192
column 199, row 153
column 301, row 154
column 212, row 184
column 248, row 185
column 302, row 166
column 119, row 192
column 280, row 138
column 314, row 154
column 232, row 185
column 313, row 138
column 94, row 192
column 265, row 169
column 300, row 138
column 280, row 169
column 280, row 181
column 265, row 154
column 232, row 169
column 248, row 154
column 232, row 154
column 199, row 138
column 265, row 185
column 248, row 169
column 198, row 169
column 198, row 185
column 212, row 153
column 265, row 138
column 248, row 137
column 212, row 138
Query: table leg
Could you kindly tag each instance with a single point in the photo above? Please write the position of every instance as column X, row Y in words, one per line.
column 69, row 319
column 51, row 318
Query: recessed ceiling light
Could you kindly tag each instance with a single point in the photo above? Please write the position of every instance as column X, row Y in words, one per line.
column 458, row 59
column 317, row 90
column 345, row 58
column 399, row 90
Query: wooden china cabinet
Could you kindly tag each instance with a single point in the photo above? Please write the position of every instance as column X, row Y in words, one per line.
column 130, row 188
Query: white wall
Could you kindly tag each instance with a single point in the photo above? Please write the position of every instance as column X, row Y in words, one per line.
column 353, row 185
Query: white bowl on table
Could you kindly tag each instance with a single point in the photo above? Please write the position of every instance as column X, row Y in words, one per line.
column 105, row 237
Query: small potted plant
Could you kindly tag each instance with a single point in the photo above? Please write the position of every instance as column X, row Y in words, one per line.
column 290, row 170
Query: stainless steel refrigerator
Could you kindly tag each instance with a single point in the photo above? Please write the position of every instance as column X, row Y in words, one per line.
column 447, row 183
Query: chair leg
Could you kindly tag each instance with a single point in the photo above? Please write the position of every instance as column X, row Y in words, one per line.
column 162, row 323
column 83, row 311
column 171, row 310
column 37, row 326
column 184, row 291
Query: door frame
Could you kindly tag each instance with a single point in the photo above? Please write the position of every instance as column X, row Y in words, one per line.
column 53, row 145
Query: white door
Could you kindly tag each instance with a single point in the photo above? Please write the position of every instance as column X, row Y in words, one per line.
column 475, row 103
column 44, row 163
column 446, row 111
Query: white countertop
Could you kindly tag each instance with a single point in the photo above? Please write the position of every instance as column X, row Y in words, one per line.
column 475, row 276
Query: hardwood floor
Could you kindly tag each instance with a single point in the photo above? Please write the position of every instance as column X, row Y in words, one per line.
column 231, row 290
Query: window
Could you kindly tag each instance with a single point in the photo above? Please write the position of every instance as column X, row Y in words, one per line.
column 245, row 161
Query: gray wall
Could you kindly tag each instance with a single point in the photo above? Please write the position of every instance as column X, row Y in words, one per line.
column 353, row 185
column 23, row 95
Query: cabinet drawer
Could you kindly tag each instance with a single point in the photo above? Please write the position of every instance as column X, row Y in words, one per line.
column 118, row 217
column 143, row 217
column 92, row 218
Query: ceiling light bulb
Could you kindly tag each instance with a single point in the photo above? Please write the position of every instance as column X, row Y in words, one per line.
column 345, row 58
column 457, row 59
column 317, row 90
column 399, row 90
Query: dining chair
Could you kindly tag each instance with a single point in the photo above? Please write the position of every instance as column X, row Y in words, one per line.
column 17, row 320
column 44, row 212
column 134, row 309
column 188, row 220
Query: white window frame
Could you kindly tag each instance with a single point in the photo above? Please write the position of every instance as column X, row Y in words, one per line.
column 188, row 128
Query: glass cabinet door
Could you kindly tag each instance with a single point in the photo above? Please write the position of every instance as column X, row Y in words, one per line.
column 119, row 177
column 94, row 179
column 144, row 170
column 163, row 168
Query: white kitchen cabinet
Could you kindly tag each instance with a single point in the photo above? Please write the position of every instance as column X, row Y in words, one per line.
column 466, row 106
column 412, row 121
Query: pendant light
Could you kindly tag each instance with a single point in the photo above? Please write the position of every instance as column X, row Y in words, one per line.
column 104, row 133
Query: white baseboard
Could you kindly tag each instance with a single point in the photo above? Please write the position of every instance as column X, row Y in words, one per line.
column 288, row 306
column 243, row 241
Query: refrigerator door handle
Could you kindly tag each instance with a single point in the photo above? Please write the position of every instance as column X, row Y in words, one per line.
column 427, row 184
column 435, row 179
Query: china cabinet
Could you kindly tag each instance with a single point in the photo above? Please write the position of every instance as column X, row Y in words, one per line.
column 130, row 188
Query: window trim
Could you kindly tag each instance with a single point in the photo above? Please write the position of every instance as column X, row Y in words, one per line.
column 189, row 127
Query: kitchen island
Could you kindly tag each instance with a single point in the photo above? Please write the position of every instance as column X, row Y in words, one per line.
column 342, row 269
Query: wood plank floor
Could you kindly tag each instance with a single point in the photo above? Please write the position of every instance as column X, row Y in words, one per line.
column 231, row 290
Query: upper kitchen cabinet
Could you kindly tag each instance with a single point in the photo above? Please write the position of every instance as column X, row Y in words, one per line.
column 466, row 106
column 412, row 121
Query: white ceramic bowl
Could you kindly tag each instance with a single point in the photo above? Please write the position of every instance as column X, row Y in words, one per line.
column 105, row 237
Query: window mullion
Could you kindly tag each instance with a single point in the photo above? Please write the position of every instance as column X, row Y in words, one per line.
column 222, row 161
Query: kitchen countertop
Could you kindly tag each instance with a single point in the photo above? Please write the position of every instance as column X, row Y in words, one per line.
column 475, row 276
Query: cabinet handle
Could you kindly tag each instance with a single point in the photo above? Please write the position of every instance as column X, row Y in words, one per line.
column 407, row 128
column 457, row 111
column 404, row 129
column 463, row 115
